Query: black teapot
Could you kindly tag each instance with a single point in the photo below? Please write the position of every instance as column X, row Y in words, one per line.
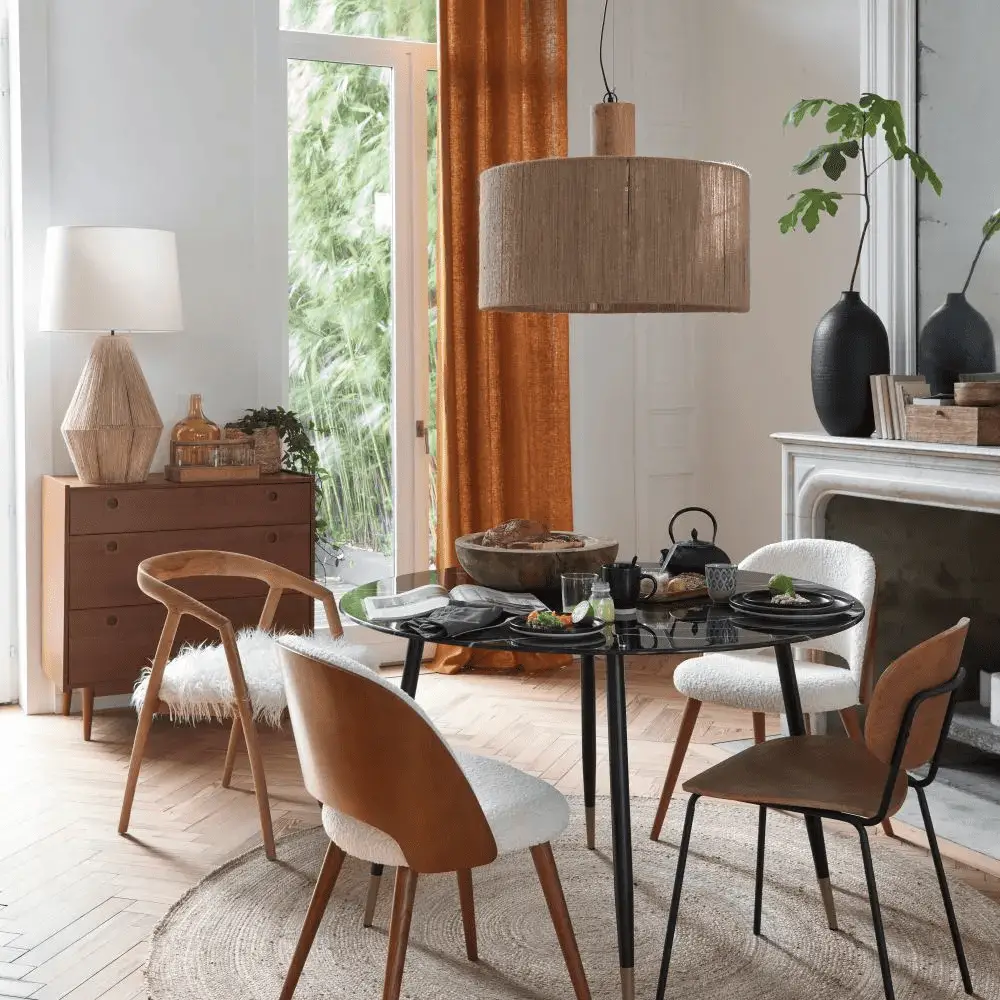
column 691, row 555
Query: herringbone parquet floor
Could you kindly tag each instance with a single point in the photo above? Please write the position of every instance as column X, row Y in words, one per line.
column 78, row 903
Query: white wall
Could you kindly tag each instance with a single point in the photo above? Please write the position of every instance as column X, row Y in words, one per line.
column 146, row 114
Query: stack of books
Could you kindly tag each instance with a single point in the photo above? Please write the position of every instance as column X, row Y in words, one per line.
column 891, row 394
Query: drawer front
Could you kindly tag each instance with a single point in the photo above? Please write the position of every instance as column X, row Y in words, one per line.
column 108, row 649
column 107, row 511
column 102, row 568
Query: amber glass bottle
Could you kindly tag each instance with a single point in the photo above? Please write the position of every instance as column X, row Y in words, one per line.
column 195, row 427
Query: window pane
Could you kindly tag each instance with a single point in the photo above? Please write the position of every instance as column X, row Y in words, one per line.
column 415, row 19
column 432, row 259
column 340, row 300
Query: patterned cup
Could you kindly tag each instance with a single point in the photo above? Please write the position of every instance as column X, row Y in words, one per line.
column 720, row 579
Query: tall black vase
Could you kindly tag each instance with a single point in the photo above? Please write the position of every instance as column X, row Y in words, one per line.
column 956, row 338
column 849, row 346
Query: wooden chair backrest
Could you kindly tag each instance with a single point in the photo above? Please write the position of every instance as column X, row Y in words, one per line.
column 923, row 668
column 367, row 750
column 153, row 574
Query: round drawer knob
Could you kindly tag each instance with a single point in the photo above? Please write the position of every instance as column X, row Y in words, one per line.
column 112, row 620
column 271, row 536
column 112, row 503
column 272, row 496
column 112, row 546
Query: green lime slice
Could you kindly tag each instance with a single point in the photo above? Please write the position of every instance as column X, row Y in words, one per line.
column 581, row 614
column 781, row 584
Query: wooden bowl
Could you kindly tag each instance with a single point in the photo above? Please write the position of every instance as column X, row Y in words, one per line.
column 977, row 393
column 520, row 570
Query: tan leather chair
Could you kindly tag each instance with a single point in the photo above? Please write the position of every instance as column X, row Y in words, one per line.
column 856, row 783
column 394, row 793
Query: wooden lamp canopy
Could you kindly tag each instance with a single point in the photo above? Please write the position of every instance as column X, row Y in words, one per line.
column 614, row 232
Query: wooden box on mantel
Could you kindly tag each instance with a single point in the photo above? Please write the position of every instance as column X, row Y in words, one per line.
column 954, row 424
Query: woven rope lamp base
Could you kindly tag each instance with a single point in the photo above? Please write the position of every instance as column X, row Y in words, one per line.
column 112, row 426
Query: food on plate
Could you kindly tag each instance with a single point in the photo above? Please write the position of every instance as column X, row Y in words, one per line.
column 550, row 620
column 520, row 533
column 582, row 614
column 683, row 583
column 783, row 590
column 789, row 599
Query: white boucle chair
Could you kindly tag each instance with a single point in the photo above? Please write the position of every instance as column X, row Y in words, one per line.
column 394, row 793
column 750, row 680
column 238, row 677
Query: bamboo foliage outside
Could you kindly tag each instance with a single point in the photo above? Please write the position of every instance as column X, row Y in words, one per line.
column 112, row 426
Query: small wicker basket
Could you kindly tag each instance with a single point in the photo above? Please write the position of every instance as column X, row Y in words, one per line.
column 267, row 448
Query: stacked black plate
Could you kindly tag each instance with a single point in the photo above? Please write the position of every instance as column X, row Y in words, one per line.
column 816, row 608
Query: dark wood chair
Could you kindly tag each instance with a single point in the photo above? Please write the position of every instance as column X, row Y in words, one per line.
column 394, row 793
column 860, row 784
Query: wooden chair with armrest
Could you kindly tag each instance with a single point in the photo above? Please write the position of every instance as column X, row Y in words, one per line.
column 153, row 577
column 394, row 793
column 844, row 780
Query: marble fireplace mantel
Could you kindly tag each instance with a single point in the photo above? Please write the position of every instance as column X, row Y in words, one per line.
column 816, row 467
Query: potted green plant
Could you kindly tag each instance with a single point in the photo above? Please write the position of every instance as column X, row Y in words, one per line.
column 850, row 343
column 956, row 337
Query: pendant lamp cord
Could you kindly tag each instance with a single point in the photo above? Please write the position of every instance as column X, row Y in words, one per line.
column 609, row 91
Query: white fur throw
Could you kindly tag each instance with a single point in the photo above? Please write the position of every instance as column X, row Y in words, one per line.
column 197, row 687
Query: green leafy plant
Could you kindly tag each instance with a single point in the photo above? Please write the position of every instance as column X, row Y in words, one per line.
column 855, row 126
column 990, row 227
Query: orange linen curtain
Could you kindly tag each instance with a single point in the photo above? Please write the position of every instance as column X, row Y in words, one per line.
column 503, row 378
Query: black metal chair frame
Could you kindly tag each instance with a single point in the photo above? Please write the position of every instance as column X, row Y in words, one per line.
column 860, row 824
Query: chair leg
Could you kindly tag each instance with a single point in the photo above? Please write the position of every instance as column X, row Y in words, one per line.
column 949, row 910
column 145, row 723
column 675, row 900
column 849, row 717
column 548, row 875
column 371, row 900
column 758, row 892
column 317, row 907
column 691, row 709
column 245, row 711
column 235, row 732
column 468, row 901
column 883, row 954
column 399, row 931
column 759, row 723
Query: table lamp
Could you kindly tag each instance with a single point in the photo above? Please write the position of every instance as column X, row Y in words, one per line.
column 108, row 280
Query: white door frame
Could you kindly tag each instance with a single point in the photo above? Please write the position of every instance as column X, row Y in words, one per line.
column 888, row 267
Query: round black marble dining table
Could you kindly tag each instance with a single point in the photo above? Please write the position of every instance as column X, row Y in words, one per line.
column 681, row 628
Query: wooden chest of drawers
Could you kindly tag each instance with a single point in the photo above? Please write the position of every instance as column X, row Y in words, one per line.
column 98, row 629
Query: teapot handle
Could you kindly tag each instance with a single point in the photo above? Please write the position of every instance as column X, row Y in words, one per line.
column 688, row 510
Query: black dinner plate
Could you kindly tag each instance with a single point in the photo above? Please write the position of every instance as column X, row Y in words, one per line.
column 817, row 601
column 827, row 617
column 575, row 633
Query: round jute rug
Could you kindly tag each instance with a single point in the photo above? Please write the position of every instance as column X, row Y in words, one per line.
column 231, row 937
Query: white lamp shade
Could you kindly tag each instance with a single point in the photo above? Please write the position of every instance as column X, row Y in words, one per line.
column 99, row 278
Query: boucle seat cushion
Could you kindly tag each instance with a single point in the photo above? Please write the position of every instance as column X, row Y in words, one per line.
column 521, row 810
column 196, row 685
column 750, row 681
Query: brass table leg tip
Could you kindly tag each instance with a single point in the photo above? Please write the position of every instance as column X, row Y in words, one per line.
column 589, row 812
column 628, row 984
column 826, row 891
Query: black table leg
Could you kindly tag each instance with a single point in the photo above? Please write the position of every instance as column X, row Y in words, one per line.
column 621, row 822
column 797, row 727
column 588, row 714
column 408, row 684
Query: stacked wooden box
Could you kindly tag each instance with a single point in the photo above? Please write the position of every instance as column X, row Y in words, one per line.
column 974, row 419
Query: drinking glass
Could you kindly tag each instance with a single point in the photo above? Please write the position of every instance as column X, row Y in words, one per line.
column 576, row 587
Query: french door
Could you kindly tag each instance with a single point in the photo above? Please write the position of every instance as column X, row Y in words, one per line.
column 362, row 118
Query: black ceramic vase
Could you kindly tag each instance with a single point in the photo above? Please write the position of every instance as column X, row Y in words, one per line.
column 849, row 346
column 956, row 338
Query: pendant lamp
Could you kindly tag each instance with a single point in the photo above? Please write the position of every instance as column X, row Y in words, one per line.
column 614, row 232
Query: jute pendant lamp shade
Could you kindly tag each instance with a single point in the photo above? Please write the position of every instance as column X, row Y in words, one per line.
column 614, row 232
column 107, row 280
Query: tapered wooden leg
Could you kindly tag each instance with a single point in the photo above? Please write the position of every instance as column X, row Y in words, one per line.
column 807, row 724
column 849, row 717
column 545, row 865
column 691, row 709
column 759, row 723
column 317, row 907
column 245, row 711
column 88, row 712
column 399, row 931
column 67, row 701
column 468, row 901
column 149, row 705
column 235, row 732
